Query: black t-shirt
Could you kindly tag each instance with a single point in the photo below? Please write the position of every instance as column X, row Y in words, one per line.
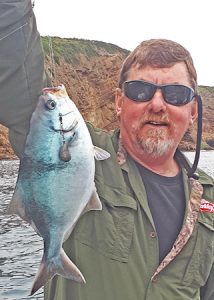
column 166, row 200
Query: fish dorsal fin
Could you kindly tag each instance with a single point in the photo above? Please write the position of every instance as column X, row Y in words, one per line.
column 94, row 202
column 100, row 154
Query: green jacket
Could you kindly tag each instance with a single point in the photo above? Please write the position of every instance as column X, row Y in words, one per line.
column 116, row 249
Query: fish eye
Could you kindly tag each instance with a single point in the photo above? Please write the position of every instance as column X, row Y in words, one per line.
column 50, row 104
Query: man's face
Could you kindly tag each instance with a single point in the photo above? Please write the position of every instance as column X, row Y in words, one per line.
column 155, row 127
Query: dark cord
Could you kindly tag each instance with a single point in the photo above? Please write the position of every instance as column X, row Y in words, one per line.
column 191, row 171
column 179, row 155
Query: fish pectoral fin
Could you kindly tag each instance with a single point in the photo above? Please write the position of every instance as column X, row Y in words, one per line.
column 94, row 202
column 100, row 154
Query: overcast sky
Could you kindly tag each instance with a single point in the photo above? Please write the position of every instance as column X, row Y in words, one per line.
column 127, row 23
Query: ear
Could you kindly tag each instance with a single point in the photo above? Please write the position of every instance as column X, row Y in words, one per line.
column 194, row 111
column 118, row 101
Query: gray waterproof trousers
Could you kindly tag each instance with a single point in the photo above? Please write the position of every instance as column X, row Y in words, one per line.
column 22, row 75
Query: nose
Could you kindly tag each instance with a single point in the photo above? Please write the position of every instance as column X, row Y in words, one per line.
column 157, row 103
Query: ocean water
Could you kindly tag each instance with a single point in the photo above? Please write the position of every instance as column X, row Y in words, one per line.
column 21, row 248
column 206, row 161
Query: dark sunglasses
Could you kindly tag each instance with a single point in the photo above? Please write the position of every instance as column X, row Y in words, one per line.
column 142, row 91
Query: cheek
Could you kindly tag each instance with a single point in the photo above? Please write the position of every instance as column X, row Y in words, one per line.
column 130, row 119
column 181, row 120
column 131, row 112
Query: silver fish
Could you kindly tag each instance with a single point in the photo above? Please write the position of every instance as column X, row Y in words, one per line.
column 55, row 182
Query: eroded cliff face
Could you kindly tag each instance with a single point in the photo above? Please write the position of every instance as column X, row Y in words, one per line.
column 6, row 151
column 89, row 70
column 91, row 85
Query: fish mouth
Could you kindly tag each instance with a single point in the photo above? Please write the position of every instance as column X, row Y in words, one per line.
column 65, row 130
column 57, row 91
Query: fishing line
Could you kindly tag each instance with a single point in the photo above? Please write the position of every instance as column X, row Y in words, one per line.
column 61, row 126
column 53, row 76
column 52, row 61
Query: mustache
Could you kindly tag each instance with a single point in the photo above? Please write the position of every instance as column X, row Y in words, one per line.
column 154, row 118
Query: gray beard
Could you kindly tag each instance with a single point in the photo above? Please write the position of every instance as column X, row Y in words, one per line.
column 155, row 145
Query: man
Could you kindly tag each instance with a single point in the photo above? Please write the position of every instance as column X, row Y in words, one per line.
column 152, row 239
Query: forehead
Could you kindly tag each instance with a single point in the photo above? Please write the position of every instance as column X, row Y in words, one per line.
column 175, row 74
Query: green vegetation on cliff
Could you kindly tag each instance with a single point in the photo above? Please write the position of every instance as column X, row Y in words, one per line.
column 209, row 89
column 70, row 49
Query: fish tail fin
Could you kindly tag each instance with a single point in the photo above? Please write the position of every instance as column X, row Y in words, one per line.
column 61, row 265
column 68, row 269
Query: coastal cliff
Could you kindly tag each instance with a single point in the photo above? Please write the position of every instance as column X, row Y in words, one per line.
column 89, row 70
